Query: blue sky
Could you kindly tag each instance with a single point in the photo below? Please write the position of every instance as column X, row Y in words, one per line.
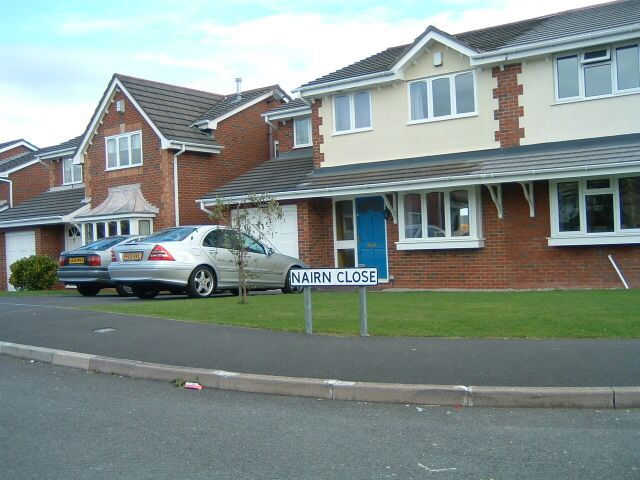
column 57, row 57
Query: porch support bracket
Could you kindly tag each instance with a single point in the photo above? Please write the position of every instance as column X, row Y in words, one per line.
column 496, row 195
column 392, row 207
column 527, row 188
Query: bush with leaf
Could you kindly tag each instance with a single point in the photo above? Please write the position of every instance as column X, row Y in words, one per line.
column 37, row 272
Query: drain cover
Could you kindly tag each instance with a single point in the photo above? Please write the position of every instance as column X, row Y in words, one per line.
column 105, row 330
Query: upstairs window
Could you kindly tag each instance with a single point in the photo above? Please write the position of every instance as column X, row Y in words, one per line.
column 302, row 132
column 352, row 112
column 444, row 97
column 71, row 173
column 124, row 150
column 597, row 73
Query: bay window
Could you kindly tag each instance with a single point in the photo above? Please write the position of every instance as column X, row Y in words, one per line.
column 595, row 73
column 124, row 150
column 440, row 98
column 352, row 112
column 595, row 211
column 440, row 219
column 95, row 230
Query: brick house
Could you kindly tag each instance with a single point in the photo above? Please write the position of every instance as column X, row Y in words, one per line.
column 507, row 157
column 150, row 150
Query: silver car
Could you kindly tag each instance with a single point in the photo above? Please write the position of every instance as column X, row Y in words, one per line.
column 199, row 260
column 87, row 267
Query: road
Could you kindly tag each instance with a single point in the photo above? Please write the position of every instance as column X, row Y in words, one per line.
column 59, row 423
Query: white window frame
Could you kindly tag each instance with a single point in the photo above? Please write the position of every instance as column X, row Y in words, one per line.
column 352, row 114
column 452, row 92
column 117, row 138
column 296, row 144
column 582, row 237
column 73, row 180
column 134, row 227
column 473, row 240
column 611, row 58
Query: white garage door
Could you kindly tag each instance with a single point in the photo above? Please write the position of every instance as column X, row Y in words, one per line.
column 19, row 245
column 285, row 234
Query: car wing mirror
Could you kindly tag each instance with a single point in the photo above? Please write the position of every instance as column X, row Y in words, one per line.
column 270, row 251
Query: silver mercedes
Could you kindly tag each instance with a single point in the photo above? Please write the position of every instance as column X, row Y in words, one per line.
column 199, row 260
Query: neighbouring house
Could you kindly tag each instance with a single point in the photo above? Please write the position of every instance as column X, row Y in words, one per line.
column 507, row 157
column 149, row 152
column 15, row 147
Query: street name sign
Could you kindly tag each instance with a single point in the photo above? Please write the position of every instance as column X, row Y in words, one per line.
column 325, row 277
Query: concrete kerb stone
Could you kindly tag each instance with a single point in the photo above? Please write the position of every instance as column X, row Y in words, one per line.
column 627, row 397
column 454, row 395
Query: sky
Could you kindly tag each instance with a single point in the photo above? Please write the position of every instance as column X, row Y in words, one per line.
column 57, row 57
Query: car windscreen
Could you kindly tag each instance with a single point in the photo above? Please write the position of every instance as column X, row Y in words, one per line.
column 171, row 235
column 103, row 244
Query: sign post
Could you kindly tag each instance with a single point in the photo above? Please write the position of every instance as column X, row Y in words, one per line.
column 325, row 277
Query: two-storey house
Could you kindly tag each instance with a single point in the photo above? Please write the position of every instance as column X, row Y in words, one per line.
column 149, row 151
column 507, row 157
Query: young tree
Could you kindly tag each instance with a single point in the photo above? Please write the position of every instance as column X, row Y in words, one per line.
column 255, row 216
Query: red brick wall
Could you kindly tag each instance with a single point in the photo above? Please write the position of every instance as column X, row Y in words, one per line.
column 4, row 193
column 13, row 152
column 29, row 182
column 155, row 175
column 315, row 227
column 284, row 135
column 4, row 280
column 56, row 177
column 509, row 111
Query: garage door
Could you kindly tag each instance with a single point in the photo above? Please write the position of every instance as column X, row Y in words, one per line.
column 285, row 234
column 19, row 245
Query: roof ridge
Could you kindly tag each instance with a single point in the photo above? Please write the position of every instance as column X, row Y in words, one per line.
column 541, row 17
column 254, row 90
column 123, row 76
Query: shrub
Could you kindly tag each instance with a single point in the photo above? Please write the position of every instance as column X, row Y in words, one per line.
column 36, row 272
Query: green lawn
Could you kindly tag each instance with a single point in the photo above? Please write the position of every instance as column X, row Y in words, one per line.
column 542, row 314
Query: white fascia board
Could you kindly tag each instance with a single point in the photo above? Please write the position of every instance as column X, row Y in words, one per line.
column 450, row 181
column 118, row 216
column 57, row 153
column 6, row 173
column 435, row 36
column 349, row 84
column 31, row 222
column 21, row 143
column 213, row 124
column 552, row 46
column 78, row 159
column 286, row 114
column 193, row 147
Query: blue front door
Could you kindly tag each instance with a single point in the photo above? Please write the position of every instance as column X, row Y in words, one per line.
column 372, row 234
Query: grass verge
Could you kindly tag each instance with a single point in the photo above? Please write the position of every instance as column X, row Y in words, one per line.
column 542, row 314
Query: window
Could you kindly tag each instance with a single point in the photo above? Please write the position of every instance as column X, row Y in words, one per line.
column 595, row 211
column 124, row 150
column 344, row 233
column 352, row 112
column 111, row 228
column 71, row 173
column 440, row 219
column 439, row 98
column 302, row 132
column 596, row 73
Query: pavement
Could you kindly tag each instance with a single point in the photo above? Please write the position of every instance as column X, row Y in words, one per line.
column 598, row 373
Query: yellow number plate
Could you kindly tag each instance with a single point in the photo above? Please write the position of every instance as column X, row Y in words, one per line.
column 76, row 260
column 131, row 256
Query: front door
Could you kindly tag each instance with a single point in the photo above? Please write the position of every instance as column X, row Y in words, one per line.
column 372, row 234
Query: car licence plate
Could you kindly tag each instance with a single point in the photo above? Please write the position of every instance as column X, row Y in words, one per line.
column 76, row 261
column 131, row 256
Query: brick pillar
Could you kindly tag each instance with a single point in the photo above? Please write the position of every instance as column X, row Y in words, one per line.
column 316, row 121
column 509, row 111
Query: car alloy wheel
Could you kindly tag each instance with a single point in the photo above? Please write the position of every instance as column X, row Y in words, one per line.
column 88, row 290
column 288, row 288
column 145, row 293
column 202, row 282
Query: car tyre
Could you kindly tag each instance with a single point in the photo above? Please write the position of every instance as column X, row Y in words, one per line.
column 124, row 290
column 288, row 288
column 145, row 293
column 88, row 290
column 202, row 282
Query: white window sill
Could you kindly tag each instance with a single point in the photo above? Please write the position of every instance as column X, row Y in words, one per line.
column 303, row 145
column 112, row 169
column 594, row 239
column 442, row 119
column 347, row 132
column 440, row 244
column 562, row 101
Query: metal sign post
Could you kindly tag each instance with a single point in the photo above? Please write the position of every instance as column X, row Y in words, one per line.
column 322, row 277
